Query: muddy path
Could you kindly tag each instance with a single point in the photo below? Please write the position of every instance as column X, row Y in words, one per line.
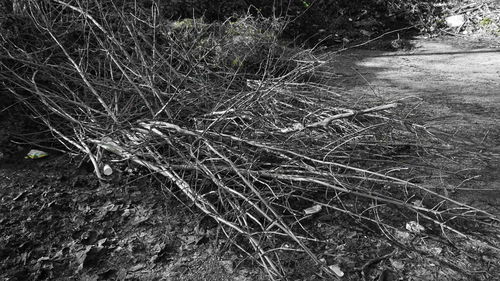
column 455, row 85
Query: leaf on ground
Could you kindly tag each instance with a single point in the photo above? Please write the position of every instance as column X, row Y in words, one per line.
column 415, row 227
column 336, row 269
column 397, row 264
column 141, row 215
column 401, row 235
column 312, row 210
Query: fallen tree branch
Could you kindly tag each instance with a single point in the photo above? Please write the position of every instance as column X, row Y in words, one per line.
column 323, row 123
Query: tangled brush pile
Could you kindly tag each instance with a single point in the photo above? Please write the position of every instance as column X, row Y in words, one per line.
column 244, row 127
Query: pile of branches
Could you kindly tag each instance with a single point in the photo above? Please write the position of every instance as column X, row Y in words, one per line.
column 246, row 129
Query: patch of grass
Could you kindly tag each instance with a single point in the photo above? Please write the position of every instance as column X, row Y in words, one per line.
column 486, row 21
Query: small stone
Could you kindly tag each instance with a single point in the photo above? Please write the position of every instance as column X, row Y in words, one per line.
column 455, row 21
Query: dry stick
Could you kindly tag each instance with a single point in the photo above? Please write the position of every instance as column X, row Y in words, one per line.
column 198, row 200
column 84, row 78
column 275, row 149
column 372, row 261
column 112, row 39
column 393, row 179
column 282, row 225
column 50, row 104
column 347, row 212
column 376, row 38
column 232, row 191
column 172, row 70
column 221, row 184
column 92, row 158
column 147, row 80
column 371, row 195
column 376, row 197
column 218, row 182
column 254, row 243
column 326, row 121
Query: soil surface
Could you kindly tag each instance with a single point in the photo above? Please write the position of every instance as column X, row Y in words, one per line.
column 58, row 222
column 454, row 86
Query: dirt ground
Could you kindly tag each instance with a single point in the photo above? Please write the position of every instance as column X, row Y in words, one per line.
column 58, row 222
column 454, row 84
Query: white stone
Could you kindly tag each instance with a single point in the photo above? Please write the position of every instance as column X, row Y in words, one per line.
column 455, row 21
